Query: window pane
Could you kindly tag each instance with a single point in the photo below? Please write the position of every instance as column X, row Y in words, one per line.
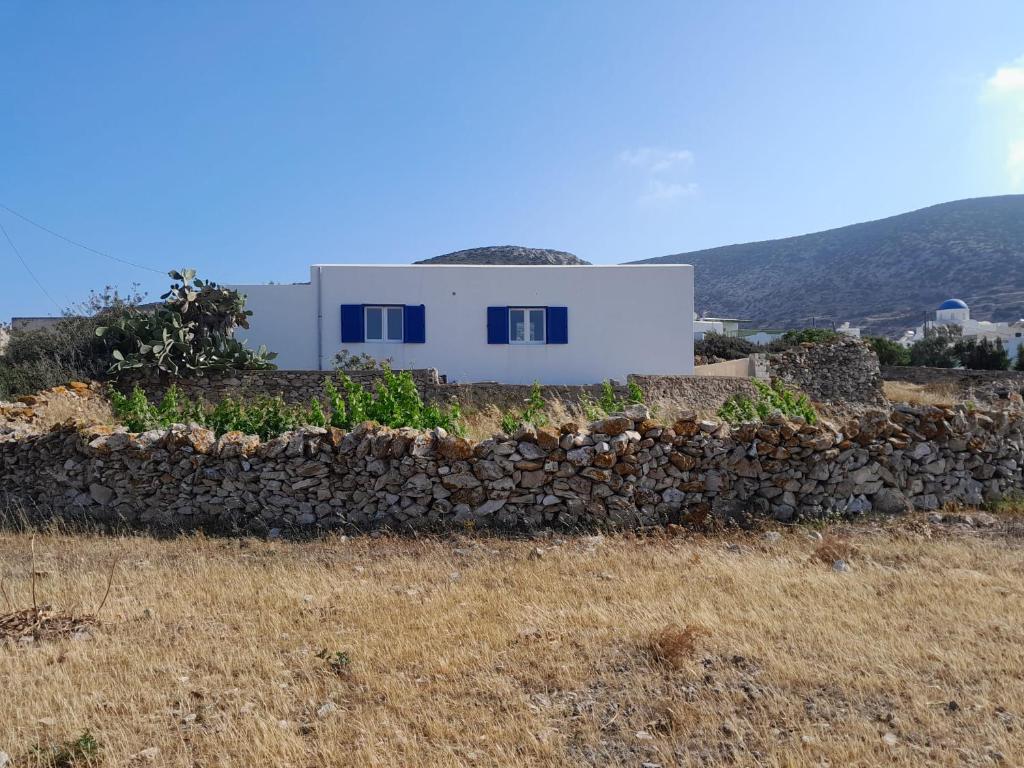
column 517, row 325
column 536, row 325
column 395, row 324
column 374, row 324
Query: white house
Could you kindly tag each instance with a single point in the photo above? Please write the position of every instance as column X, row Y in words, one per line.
column 955, row 312
column 512, row 324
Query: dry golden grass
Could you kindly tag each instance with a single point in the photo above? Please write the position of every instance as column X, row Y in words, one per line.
column 921, row 394
column 459, row 652
column 485, row 423
column 482, row 424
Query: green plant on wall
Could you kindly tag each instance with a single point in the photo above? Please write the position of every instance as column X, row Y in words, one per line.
column 768, row 400
column 532, row 412
column 394, row 402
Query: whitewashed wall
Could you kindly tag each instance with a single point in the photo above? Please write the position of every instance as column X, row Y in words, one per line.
column 284, row 318
column 622, row 319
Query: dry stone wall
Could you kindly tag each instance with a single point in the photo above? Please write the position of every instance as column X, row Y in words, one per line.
column 844, row 371
column 623, row 471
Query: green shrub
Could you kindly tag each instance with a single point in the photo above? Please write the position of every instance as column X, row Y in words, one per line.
column 191, row 332
column 769, row 399
column 610, row 402
column 804, row 336
column 889, row 352
column 66, row 351
column 938, row 348
column 727, row 347
column 983, row 355
column 532, row 413
column 395, row 402
column 267, row 416
column 1019, row 364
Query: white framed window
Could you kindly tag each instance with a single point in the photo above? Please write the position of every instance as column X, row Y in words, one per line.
column 526, row 325
column 384, row 324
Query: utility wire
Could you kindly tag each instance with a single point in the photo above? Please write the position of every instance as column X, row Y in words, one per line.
column 75, row 242
column 28, row 268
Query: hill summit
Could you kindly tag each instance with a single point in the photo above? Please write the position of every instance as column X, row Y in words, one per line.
column 507, row 255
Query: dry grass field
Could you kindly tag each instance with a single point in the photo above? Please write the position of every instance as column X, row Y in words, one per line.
column 725, row 650
column 921, row 394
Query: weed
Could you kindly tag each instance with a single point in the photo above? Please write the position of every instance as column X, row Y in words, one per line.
column 676, row 645
column 591, row 409
column 78, row 752
column 533, row 413
column 337, row 661
column 609, row 402
column 1012, row 504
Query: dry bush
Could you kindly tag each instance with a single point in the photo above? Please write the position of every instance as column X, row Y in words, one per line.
column 675, row 645
column 40, row 622
column 830, row 549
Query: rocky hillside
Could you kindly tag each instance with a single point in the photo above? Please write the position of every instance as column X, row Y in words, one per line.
column 884, row 275
column 506, row 254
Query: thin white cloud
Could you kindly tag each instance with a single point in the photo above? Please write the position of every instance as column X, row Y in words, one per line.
column 662, row 173
column 654, row 160
column 1003, row 93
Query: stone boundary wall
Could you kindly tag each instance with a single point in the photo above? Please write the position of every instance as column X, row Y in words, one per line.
column 962, row 377
column 625, row 471
column 704, row 394
column 844, row 371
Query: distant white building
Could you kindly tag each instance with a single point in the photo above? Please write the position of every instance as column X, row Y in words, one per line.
column 701, row 327
column 955, row 312
column 511, row 324
column 847, row 330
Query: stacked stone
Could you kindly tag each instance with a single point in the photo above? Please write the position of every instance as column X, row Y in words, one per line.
column 842, row 371
column 624, row 471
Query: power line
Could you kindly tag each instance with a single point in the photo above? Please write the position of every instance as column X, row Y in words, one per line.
column 76, row 243
column 28, row 268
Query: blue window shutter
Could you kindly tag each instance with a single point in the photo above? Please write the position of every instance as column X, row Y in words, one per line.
column 415, row 324
column 352, row 324
column 558, row 325
column 497, row 325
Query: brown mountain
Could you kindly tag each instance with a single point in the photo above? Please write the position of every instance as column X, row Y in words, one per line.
column 506, row 254
column 884, row 275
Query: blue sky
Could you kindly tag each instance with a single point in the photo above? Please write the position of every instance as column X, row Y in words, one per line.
column 251, row 139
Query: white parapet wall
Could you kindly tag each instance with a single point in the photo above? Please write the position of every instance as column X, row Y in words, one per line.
column 590, row 322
